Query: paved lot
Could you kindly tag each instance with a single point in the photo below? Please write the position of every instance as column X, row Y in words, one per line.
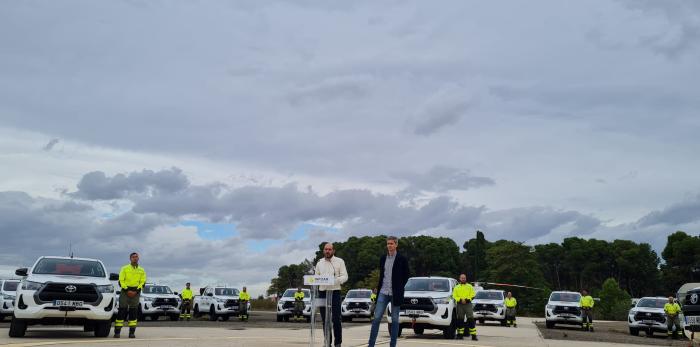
column 262, row 330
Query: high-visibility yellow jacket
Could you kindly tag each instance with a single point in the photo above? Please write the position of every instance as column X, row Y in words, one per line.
column 587, row 301
column 463, row 291
column 187, row 294
column 373, row 297
column 299, row 296
column 244, row 296
column 511, row 302
column 672, row 309
column 132, row 277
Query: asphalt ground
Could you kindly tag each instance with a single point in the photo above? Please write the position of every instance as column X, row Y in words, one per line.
column 263, row 330
column 609, row 332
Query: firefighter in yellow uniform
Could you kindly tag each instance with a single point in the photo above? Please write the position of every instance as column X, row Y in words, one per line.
column 463, row 293
column 299, row 304
column 186, row 308
column 672, row 309
column 587, row 303
column 243, row 299
column 132, row 277
column 510, row 310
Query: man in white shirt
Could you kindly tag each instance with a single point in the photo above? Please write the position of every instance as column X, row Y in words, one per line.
column 329, row 266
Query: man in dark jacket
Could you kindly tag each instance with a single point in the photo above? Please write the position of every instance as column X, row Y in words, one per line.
column 393, row 275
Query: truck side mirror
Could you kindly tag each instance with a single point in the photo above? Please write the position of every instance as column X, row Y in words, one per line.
column 22, row 272
column 114, row 277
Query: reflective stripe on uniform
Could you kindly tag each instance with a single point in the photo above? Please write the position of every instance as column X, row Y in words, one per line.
column 132, row 323
column 118, row 323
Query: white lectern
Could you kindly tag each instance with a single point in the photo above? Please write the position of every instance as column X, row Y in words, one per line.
column 314, row 281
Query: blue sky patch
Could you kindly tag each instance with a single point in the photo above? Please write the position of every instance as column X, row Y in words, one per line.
column 213, row 231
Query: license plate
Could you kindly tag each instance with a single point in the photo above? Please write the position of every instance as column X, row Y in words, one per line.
column 484, row 312
column 692, row 320
column 648, row 322
column 68, row 303
column 166, row 308
column 356, row 310
column 414, row 312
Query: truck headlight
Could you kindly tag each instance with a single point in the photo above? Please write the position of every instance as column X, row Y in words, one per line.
column 29, row 285
column 443, row 301
column 550, row 307
column 105, row 289
column 147, row 299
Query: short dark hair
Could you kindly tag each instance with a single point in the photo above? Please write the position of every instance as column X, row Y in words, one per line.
column 132, row 254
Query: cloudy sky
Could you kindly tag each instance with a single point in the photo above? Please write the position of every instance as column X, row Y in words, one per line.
column 223, row 139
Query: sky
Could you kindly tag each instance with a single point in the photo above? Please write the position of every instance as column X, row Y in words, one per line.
column 224, row 139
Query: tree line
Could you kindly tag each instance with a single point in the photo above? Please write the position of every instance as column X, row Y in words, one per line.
column 615, row 270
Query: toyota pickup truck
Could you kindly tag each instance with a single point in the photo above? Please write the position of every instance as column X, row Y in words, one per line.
column 157, row 300
column 64, row 291
column 489, row 305
column 563, row 308
column 428, row 304
column 217, row 302
column 8, row 290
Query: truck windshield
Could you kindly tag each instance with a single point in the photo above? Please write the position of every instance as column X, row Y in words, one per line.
column 226, row 291
column 427, row 285
column 10, row 286
column 484, row 295
column 566, row 297
column 359, row 294
column 157, row 290
column 75, row 267
column 290, row 293
column 653, row 303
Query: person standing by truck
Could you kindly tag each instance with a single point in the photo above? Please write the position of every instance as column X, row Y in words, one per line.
column 463, row 294
column 186, row 308
column 510, row 310
column 132, row 278
column 587, row 303
column 672, row 309
column 393, row 276
column 299, row 304
column 243, row 299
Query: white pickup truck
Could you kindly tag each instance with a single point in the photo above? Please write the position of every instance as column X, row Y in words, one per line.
column 64, row 291
column 357, row 304
column 489, row 305
column 157, row 301
column 285, row 305
column 8, row 289
column 563, row 308
column 648, row 315
column 217, row 301
column 428, row 304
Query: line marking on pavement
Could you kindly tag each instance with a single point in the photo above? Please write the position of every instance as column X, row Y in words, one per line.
column 111, row 340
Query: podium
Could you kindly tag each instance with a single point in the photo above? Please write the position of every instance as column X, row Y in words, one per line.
column 314, row 281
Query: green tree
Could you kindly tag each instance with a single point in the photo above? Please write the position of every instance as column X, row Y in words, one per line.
column 682, row 260
column 289, row 276
column 614, row 301
column 474, row 260
column 513, row 263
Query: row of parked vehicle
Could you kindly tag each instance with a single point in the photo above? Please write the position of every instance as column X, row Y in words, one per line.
column 79, row 291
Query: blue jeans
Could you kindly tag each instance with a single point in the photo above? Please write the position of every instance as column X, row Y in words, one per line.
column 382, row 301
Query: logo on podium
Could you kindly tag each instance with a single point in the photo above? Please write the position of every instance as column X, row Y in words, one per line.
column 318, row 280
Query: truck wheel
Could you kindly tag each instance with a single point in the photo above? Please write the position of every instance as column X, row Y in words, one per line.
column 102, row 328
column 140, row 315
column 308, row 319
column 196, row 312
column 225, row 318
column 89, row 326
column 286, row 318
column 212, row 315
column 418, row 331
column 2, row 317
column 549, row 325
column 450, row 332
column 174, row 317
column 504, row 323
column 279, row 318
column 388, row 325
column 18, row 328
column 634, row 331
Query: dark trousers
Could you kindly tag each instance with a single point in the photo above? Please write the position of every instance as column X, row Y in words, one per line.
column 335, row 315
column 128, row 307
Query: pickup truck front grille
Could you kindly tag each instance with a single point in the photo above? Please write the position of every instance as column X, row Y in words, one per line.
column 658, row 317
column 165, row 302
column 425, row 304
column 57, row 291
column 288, row 305
column 231, row 303
column 485, row 307
column 576, row 311
column 360, row 305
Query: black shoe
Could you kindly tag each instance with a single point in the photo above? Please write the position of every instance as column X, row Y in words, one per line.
column 474, row 338
column 459, row 337
column 590, row 329
column 117, row 332
column 132, row 332
column 116, row 335
column 515, row 325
